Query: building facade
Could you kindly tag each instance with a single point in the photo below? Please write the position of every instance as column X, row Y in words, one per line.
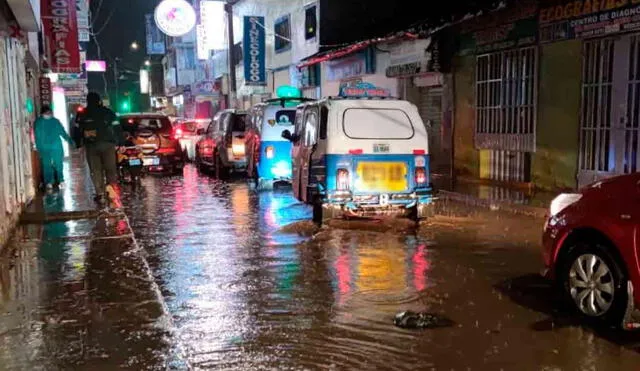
column 19, row 72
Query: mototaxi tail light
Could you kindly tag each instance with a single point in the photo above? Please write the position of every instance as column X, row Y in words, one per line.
column 269, row 152
column 342, row 182
column 421, row 176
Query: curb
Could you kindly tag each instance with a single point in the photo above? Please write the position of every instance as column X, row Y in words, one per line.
column 41, row 217
column 494, row 205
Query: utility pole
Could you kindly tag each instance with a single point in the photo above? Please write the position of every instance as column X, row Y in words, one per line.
column 116, row 78
column 232, row 62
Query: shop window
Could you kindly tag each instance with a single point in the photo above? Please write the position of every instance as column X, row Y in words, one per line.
column 310, row 76
column 310, row 23
column 506, row 99
column 283, row 34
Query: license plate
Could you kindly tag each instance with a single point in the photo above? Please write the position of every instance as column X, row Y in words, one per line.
column 381, row 148
column 382, row 176
column 151, row 161
column 135, row 162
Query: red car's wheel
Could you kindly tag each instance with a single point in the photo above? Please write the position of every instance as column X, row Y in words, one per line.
column 594, row 282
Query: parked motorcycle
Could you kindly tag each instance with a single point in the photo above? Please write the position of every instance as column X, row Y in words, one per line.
column 130, row 166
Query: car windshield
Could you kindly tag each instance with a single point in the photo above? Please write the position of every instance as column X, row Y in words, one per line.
column 133, row 124
column 238, row 122
column 377, row 123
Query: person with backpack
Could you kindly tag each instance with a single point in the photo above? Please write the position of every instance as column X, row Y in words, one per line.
column 48, row 131
column 99, row 131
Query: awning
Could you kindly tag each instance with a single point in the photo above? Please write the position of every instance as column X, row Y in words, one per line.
column 350, row 49
column 27, row 13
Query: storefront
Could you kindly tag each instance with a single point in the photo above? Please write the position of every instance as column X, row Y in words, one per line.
column 495, row 85
column 15, row 147
column 417, row 67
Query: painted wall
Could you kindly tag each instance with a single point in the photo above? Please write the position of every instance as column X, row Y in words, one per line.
column 466, row 157
column 273, row 10
column 555, row 163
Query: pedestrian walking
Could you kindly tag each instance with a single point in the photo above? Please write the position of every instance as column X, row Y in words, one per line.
column 49, row 132
column 100, row 133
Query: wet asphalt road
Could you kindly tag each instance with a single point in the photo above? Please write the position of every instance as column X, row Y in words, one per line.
column 245, row 283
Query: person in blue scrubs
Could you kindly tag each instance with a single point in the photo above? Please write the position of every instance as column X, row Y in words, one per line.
column 48, row 132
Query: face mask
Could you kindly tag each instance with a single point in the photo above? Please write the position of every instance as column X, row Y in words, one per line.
column 47, row 116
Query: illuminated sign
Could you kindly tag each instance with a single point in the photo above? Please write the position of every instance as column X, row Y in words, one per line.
column 363, row 89
column 175, row 17
column 95, row 66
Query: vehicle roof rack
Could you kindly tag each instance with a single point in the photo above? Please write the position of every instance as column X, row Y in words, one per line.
column 288, row 99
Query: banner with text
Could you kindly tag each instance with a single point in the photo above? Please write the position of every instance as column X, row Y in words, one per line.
column 503, row 29
column 585, row 19
column 255, row 72
column 60, row 30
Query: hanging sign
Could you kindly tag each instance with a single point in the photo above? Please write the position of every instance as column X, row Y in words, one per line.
column 254, row 51
column 46, row 95
column 175, row 17
column 362, row 90
column 155, row 38
column 60, row 29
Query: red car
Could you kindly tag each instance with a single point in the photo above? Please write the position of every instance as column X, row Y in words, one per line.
column 591, row 245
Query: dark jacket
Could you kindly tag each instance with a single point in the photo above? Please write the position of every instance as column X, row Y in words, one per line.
column 97, row 124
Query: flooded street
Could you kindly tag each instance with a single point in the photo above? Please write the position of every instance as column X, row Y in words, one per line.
column 222, row 277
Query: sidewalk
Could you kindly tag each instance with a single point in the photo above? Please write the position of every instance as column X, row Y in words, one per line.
column 79, row 294
column 494, row 197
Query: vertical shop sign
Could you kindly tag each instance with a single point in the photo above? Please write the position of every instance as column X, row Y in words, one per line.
column 45, row 91
column 155, row 38
column 60, row 28
column 254, row 51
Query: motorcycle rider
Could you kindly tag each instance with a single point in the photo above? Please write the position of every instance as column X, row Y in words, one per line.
column 100, row 132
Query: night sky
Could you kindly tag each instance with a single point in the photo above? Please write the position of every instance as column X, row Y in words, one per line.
column 123, row 22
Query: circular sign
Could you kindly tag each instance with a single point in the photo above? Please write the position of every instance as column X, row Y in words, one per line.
column 175, row 17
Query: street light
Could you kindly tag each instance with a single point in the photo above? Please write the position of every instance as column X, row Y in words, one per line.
column 147, row 63
column 134, row 45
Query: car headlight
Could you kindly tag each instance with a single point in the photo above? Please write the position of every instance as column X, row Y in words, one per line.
column 563, row 201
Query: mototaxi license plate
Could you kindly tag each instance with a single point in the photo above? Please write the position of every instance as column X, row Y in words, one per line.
column 151, row 161
column 382, row 176
column 135, row 162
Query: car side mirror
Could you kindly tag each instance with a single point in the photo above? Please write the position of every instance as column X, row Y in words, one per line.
column 287, row 135
column 200, row 131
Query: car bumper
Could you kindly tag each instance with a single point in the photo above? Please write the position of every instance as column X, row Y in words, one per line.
column 381, row 205
column 161, row 163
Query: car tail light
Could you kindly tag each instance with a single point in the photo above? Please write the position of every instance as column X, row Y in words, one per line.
column 269, row 152
column 166, row 151
column 132, row 152
column 178, row 133
column 421, row 176
column 207, row 150
column 343, row 180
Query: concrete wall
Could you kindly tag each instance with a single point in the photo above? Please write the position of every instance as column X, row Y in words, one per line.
column 555, row 163
column 466, row 157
